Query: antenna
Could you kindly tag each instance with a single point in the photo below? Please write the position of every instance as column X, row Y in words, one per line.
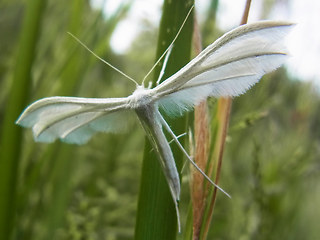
column 170, row 46
column 102, row 60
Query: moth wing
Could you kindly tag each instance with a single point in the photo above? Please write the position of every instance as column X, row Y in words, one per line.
column 74, row 120
column 226, row 68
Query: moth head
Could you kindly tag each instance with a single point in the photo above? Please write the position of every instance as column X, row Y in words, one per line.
column 140, row 97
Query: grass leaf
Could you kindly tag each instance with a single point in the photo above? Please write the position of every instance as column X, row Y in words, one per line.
column 156, row 217
column 11, row 134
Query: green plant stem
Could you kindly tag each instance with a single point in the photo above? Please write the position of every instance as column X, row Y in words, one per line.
column 156, row 217
column 224, row 111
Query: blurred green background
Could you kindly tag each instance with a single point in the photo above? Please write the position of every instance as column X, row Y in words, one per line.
column 58, row 191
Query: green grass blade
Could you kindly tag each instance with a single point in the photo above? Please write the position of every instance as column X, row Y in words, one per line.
column 156, row 216
column 63, row 162
column 11, row 134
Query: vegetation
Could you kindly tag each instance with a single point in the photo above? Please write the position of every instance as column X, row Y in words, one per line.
column 58, row 191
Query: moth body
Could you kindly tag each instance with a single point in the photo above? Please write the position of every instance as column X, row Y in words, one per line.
column 150, row 120
column 226, row 68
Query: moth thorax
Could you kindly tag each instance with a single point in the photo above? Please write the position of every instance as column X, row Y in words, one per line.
column 140, row 97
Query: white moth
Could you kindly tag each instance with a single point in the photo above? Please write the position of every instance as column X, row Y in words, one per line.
column 226, row 68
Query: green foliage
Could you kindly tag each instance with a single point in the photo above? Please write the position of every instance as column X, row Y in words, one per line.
column 271, row 164
column 47, row 175
column 11, row 136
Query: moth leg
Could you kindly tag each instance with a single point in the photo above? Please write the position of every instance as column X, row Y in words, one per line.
column 172, row 140
column 165, row 124
column 165, row 61
column 179, row 136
